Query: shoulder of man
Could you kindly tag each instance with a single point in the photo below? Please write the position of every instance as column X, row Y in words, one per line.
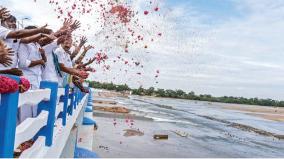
column 58, row 51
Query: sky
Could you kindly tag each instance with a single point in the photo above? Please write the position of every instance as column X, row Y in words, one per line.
column 218, row 47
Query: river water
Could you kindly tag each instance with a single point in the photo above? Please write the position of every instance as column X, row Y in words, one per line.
column 212, row 131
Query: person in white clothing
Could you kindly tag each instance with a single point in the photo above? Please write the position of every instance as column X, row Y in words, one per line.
column 52, row 71
column 11, row 43
column 32, row 59
column 49, row 72
column 31, row 63
column 65, row 63
column 12, row 38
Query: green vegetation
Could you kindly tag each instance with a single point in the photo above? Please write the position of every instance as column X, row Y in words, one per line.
column 109, row 86
column 180, row 94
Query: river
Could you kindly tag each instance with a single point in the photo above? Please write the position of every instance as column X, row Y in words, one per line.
column 211, row 131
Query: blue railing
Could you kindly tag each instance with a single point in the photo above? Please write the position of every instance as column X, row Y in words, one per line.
column 8, row 114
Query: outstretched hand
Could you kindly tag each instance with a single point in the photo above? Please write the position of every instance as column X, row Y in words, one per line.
column 76, row 24
column 45, row 30
column 82, row 74
column 83, row 40
column 89, row 47
column 5, row 55
column 62, row 32
column 5, row 60
column 67, row 23
column 49, row 36
column 92, row 59
column 90, row 69
column 69, row 26
column 4, row 13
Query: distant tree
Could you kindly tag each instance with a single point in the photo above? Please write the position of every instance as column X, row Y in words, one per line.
column 161, row 93
column 181, row 94
column 150, row 91
column 139, row 91
column 171, row 93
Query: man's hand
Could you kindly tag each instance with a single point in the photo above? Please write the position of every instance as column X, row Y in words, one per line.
column 67, row 23
column 92, row 60
column 15, row 71
column 5, row 60
column 61, row 32
column 49, row 36
column 42, row 53
column 90, row 69
column 89, row 47
column 4, row 13
column 42, row 62
column 82, row 74
column 45, row 30
column 83, row 40
column 5, row 55
column 76, row 24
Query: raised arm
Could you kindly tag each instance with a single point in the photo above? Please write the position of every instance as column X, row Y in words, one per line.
column 31, row 39
column 72, row 71
column 46, row 39
column 83, row 40
column 27, row 32
column 12, row 71
column 81, row 57
column 89, row 62
column 68, row 27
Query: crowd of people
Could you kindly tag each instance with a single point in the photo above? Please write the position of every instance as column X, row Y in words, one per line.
column 41, row 54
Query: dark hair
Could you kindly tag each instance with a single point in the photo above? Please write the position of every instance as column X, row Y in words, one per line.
column 31, row 27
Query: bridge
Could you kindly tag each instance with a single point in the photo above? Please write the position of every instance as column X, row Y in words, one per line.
column 60, row 114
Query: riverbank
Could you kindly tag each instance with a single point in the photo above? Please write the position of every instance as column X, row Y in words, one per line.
column 269, row 113
column 193, row 129
column 265, row 112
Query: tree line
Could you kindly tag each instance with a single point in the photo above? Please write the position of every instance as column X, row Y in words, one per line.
column 180, row 94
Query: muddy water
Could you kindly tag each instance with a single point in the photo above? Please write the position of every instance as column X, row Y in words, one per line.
column 212, row 131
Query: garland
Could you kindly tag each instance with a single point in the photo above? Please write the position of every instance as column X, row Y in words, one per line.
column 8, row 85
column 24, row 85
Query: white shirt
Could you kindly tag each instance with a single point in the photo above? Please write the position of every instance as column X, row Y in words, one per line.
column 49, row 72
column 27, row 54
column 4, row 32
column 63, row 58
column 11, row 43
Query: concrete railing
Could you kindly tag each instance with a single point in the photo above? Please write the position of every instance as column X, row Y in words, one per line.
column 58, row 109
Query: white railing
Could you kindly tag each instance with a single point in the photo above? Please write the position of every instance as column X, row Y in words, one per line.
column 60, row 137
column 27, row 129
column 34, row 97
column 50, row 129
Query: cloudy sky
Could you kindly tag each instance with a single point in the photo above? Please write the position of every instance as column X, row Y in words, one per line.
column 218, row 47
